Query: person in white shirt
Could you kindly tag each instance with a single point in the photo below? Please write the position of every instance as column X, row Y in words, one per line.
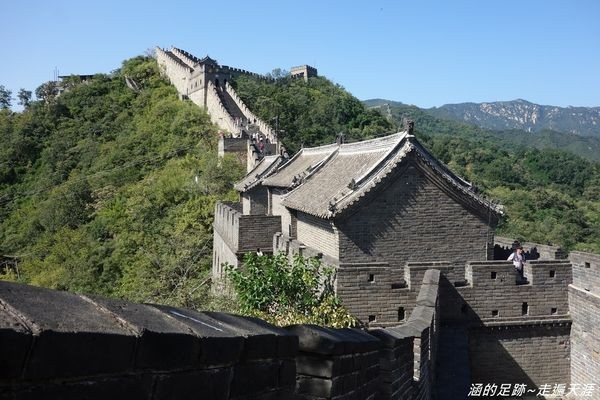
column 518, row 259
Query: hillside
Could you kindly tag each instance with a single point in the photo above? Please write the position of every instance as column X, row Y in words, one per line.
column 523, row 115
column 109, row 190
column 310, row 113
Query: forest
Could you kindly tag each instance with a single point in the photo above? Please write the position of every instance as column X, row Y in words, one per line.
column 110, row 189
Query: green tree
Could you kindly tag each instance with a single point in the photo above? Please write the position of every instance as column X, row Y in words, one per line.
column 24, row 97
column 47, row 91
column 284, row 292
column 5, row 98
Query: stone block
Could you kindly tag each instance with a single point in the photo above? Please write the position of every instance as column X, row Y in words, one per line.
column 219, row 344
column 72, row 336
column 318, row 339
column 254, row 377
column 262, row 340
column 15, row 341
column 213, row 383
column 163, row 342
column 122, row 387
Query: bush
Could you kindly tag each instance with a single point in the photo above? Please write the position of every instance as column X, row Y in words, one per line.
column 283, row 292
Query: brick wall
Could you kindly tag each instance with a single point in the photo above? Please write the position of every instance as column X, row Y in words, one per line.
column 584, row 305
column 60, row 345
column 412, row 220
column 287, row 222
column 533, row 354
column 318, row 233
column 409, row 351
column 236, row 233
column 256, row 201
column 222, row 253
column 586, row 271
column 177, row 74
column 336, row 363
column 491, row 293
column 516, row 333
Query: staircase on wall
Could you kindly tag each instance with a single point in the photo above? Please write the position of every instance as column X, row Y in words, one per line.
column 231, row 114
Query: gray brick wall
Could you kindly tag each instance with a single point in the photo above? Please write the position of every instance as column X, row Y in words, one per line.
column 413, row 220
column 256, row 201
column 586, row 271
column 493, row 295
column 584, row 305
column 60, row 345
column 277, row 208
column 236, row 234
column 531, row 354
column 318, row 233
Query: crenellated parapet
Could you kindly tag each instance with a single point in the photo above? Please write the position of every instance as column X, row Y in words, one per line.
column 239, row 233
column 491, row 292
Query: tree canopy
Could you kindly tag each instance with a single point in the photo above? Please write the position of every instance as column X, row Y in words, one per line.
column 107, row 190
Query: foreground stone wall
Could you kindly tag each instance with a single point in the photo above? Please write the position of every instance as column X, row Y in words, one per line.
column 60, row 345
column 584, row 305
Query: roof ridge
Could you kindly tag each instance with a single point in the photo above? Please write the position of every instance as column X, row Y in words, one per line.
column 374, row 144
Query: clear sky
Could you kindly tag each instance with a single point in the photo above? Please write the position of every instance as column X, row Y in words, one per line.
column 418, row 52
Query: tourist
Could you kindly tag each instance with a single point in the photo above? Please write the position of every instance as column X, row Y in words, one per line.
column 518, row 259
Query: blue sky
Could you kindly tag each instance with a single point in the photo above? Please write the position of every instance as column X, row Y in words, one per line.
column 419, row 52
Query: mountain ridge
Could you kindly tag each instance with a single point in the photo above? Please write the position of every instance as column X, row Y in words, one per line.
column 523, row 115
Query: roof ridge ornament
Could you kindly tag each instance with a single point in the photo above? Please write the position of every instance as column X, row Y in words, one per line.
column 352, row 185
column 409, row 125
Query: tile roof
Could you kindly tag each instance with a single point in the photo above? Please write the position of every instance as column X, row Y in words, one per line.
column 325, row 181
column 267, row 165
column 299, row 166
column 354, row 169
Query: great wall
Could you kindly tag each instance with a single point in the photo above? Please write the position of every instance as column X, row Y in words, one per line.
column 416, row 261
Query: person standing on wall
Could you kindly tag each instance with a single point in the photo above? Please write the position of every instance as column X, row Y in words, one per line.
column 518, row 259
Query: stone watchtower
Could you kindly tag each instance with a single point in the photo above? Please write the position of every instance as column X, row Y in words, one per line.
column 303, row 71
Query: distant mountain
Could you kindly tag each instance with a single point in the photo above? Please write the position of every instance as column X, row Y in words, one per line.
column 523, row 115
column 425, row 122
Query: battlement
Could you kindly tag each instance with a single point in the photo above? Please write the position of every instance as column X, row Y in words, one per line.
column 533, row 251
column 244, row 233
column 186, row 57
column 238, row 71
column 250, row 116
column 586, row 271
column 491, row 293
column 303, row 71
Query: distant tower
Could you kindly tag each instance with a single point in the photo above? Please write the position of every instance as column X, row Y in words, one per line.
column 303, row 71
